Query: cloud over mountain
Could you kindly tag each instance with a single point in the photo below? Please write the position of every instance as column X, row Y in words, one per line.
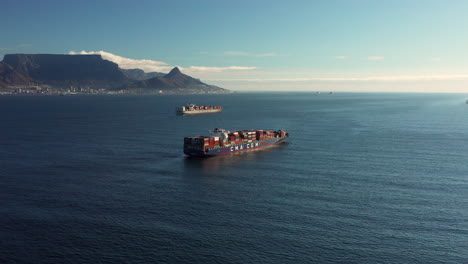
column 126, row 63
column 157, row 66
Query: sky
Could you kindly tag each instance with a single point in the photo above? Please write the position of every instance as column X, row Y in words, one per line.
column 256, row 45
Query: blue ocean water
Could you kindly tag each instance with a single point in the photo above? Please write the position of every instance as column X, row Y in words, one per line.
column 364, row 178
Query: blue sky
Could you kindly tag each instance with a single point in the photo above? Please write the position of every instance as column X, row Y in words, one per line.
column 347, row 45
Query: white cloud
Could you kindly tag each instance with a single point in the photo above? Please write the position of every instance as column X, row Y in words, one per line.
column 126, row 63
column 242, row 53
column 375, row 58
column 341, row 57
column 158, row 66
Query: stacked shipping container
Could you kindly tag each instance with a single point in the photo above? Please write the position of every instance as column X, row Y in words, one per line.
column 234, row 138
column 223, row 142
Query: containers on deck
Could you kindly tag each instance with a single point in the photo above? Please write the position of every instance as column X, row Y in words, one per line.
column 198, row 109
column 223, row 142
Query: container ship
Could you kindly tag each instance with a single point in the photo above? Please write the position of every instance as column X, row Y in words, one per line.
column 198, row 109
column 223, row 142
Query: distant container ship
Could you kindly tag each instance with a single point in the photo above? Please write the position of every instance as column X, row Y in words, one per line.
column 198, row 109
column 224, row 142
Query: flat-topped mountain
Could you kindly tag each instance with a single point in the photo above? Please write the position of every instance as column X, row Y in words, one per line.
column 48, row 68
column 60, row 72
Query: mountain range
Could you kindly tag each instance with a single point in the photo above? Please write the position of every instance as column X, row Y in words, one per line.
column 57, row 71
column 139, row 74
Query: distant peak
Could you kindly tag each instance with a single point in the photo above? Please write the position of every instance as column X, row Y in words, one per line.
column 174, row 72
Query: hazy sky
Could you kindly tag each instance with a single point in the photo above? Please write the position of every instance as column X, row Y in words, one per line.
column 348, row 45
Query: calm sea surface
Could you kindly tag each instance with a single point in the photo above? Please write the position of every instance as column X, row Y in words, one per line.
column 364, row 178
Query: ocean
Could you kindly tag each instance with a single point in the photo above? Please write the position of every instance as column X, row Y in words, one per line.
column 363, row 178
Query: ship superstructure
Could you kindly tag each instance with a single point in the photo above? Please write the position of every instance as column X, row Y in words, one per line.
column 222, row 141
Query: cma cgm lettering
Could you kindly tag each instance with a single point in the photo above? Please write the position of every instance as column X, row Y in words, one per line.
column 247, row 146
column 224, row 142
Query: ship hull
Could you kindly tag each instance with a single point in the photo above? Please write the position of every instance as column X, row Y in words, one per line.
column 223, row 150
column 194, row 112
